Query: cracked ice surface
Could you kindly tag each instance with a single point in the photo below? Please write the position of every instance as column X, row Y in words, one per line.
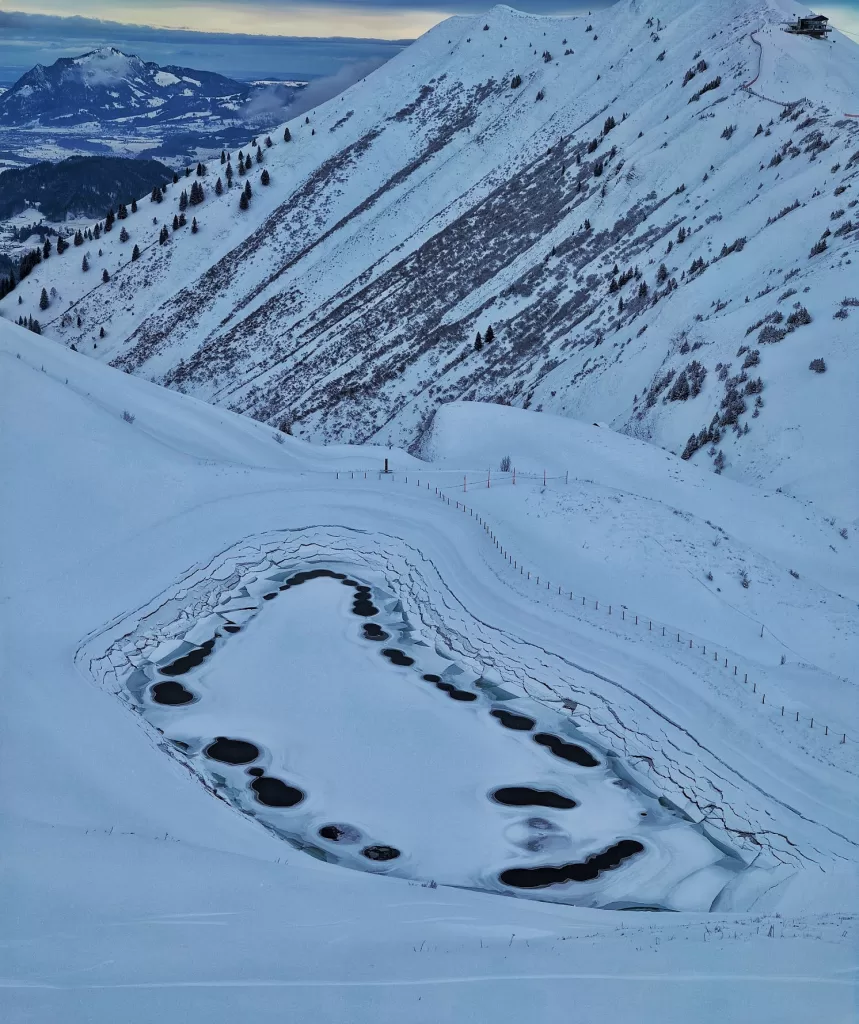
column 374, row 746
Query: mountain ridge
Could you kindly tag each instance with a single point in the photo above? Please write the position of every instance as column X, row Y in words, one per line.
column 434, row 199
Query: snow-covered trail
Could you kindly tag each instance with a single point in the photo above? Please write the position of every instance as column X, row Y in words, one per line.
column 201, row 935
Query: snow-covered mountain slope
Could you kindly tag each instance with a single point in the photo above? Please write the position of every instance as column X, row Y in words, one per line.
column 629, row 522
column 634, row 224
column 139, row 523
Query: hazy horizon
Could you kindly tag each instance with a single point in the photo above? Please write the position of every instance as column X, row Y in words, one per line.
column 252, row 39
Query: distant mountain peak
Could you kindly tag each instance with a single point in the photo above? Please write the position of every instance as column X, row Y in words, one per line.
column 107, row 84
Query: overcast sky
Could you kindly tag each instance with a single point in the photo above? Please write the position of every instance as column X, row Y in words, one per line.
column 247, row 38
column 384, row 19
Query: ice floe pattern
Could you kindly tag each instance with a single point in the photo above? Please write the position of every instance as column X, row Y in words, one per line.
column 303, row 693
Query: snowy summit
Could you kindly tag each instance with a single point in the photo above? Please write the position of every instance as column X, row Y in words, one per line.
column 107, row 85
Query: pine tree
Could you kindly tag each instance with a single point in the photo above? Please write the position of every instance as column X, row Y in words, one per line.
column 194, row 227
column 183, row 220
column 109, row 219
column 183, row 199
column 264, row 178
column 175, row 221
column 307, row 120
column 164, row 235
column 79, row 238
column 197, row 194
column 43, row 301
column 175, row 178
column 187, row 172
column 259, row 154
column 153, row 198
column 268, row 142
column 100, row 332
column 478, row 342
column 135, row 252
column 122, row 212
column 286, row 136
column 46, row 249
column 96, row 233
column 36, row 327
column 123, row 235
column 84, row 264
column 134, row 206
column 241, row 165
column 312, row 131
column 223, row 157
column 229, row 176
column 489, row 337
column 219, row 187
column 79, row 321
column 201, row 170
column 105, row 277
column 243, row 201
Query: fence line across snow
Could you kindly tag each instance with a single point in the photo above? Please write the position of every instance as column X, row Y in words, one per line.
column 638, row 620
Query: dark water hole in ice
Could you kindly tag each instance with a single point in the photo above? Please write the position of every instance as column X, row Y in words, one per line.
column 188, row 661
column 172, row 693
column 586, row 871
column 380, row 852
column 274, row 793
column 568, row 751
column 452, row 691
column 509, row 720
column 364, row 606
column 397, row 657
column 340, row 833
column 524, row 796
column 231, row 751
column 464, row 695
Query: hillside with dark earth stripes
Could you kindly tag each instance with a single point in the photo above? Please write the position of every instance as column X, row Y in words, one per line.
column 647, row 242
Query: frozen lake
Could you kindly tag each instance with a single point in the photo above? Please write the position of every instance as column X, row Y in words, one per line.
column 314, row 706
